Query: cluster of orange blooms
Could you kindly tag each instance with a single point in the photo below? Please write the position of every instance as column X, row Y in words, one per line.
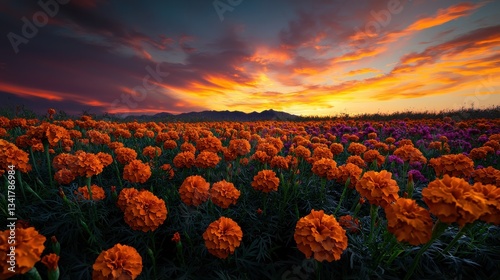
column 195, row 190
column 10, row 154
column 142, row 209
column 453, row 165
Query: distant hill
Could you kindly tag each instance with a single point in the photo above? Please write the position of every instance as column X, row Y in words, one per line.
column 217, row 116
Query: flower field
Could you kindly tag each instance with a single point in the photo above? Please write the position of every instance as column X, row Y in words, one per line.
column 323, row 199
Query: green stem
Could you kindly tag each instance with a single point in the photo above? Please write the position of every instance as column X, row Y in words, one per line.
column 20, row 182
column 373, row 216
column 87, row 181
column 439, row 228
column 118, row 174
column 34, row 163
column 457, row 237
column 49, row 163
column 152, row 253
column 342, row 195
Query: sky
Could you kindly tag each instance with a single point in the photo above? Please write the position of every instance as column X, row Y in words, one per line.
column 315, row 57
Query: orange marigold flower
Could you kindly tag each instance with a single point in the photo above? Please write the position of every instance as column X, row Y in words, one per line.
column 125, row 197
column 224, row 194
column 452, row 199
column 168, row 168
column 322, row 152
column 64, row 176
column 244, row 161
column 97, row 192
column 10, row 154
column 125, row 155
column 169, row 145
column 268, row 148
column 409, row 222
column 207, row 159
column 118, row 262
column 261, row 156
column 188, row 147
column 194, row 190
column 481, row 152
column 302, row 152
column 336, row 148
column 265, row 181
column 356, row 148
column 492, row 195
column 151, row 152
column 356, row 160
column 458, row 165
column 145, row 211
column 493, row 144
column 410, row 154
column 136, row 172
column 326, row 168
column 184, row 159
column 50, row 261
column 86, row 164
column 373, row 155
column 488, row 175
column 29, row 248
column 350, row 224
column 240, row 147
column 222, row 237
column 378, row 187
column 320, row 236
column 106, row 159
column 349, row 171
column 98, row 138
column 210, row 144
column 279, row 162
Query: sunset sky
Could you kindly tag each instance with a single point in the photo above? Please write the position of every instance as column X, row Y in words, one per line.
column 314, row 57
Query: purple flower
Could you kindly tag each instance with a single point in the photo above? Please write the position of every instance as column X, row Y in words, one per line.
column 417, row 176
column 416, row 165
column 396, row 159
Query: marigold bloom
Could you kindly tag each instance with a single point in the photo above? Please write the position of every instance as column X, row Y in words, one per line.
column 356, row 160
column 86, row 164
column 10, row 154
column 373, row 155
column 322, row 152
column 210, row 144
column 188, row 147
column 118, row 262
column 349, row 171
column 145, row 211
column 62, row 160
column 194, row 190
column 125, row 196
column 207, row 159
column 222, row 237
column 106, row 159
column 452, row 199
column 378, row 187
column 336, row 149
column 184, row 159
column 481, row 152
column 410, row 154
column 302, row 152
column 261, row 156
column 320, row 236
column 97, row 192
column 151, row 152
column 356, row 149
column 280, row 162
column 125, row 155
column 458, row 165
column 268, row 148
column 492, row 195
column 176, row 238
column 326, row 168
column 169, row 145
column 223, row 194
column 240, row 147
column 29, row 248
column 350, row 224
column 265, row 181
column 488, row 175
column 136, row 171
column 409, row 222
column 50, row 261
column 64, row 176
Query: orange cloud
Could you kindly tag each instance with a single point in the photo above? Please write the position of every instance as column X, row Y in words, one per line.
column 362, row 71
column 444, row 15
column 32, row 92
